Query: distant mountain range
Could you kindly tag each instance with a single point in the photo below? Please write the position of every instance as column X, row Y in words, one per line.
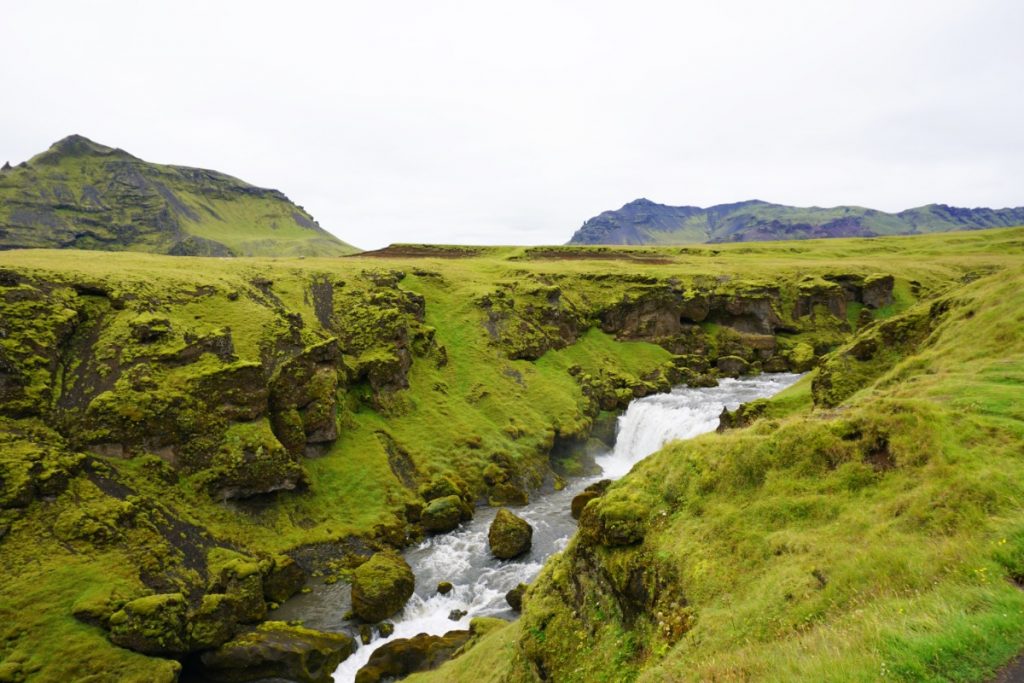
column 82, row 195
column 645, row 222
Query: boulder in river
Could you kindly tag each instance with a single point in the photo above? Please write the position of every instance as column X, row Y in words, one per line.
column 445, row 513
column 445, row 587
column 509, row 536
column 381, row 586
column 277, row 650
column 404, row 656
column 514, row 597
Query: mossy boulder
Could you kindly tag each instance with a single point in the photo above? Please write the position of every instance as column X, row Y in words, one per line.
column 153, row 625
column 445, row 587
column 241, row 578
column 613, row 522
column 444, row 514
column 381, row 586
column 732, row 366
column 595, row 490
column 404, row 656
column 283, row 579
column 278, row 650
column 214, row 622
column 509, row 536
column 514, row 597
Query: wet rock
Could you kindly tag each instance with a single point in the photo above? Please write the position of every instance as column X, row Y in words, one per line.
column 445, row 587
column 153, row 625
column 405, row 656
column 732, row 366
column 514, row 597
column 509, row 536
column 278, row 650
column 381, row 586
column 444, row 514
column 457, row 614
column 385, row 629
column 365, row 634
column 284, row 579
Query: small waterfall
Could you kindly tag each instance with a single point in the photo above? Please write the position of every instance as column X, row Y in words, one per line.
column 480, row 581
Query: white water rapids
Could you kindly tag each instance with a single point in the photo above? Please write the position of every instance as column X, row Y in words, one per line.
column 462, row 557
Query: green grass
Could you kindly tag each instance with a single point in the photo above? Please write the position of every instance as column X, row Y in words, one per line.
column 877, row 541
column 910, row 537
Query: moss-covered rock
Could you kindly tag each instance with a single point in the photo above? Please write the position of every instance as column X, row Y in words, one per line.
column 404, row 656
column 282, row 579
column 613, row 522
column 241, row 579
column 278, row 650
column 214, row 622
column 514, row 597
column 509, row 536
column 444, row 514
column 381, row 586
column 153, row 625
column 732, row 366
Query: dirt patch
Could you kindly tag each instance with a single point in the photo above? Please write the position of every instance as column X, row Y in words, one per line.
column 589, row 254
column 421, row 251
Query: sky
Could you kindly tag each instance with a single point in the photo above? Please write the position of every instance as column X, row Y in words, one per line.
column 513, row 122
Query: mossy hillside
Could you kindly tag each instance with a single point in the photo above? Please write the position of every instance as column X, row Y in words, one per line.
column 83, row 195
column 879, row 540
column 449, row 402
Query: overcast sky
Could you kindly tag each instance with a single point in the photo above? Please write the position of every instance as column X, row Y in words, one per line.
column 513, row 122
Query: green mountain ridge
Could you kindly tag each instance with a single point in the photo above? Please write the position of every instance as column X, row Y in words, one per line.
column 645, row 222
column 79, row 194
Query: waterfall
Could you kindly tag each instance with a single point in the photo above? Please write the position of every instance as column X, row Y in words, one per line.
column 480, row 581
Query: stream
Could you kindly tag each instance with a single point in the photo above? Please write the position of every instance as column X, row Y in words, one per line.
column 462, row 556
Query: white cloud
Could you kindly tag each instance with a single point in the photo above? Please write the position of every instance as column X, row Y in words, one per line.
column 513, row 122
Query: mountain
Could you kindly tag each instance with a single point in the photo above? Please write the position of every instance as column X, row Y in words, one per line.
column 645, row 222
column 82, row 195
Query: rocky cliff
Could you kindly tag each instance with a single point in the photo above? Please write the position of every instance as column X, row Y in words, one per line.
column 82, row 195
column 645, row 222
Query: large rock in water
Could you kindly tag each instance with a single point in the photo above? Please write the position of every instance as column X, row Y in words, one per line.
column 509, row 536
column 404, row 656
column 444, row 514
column 277, row 650
column 381, row 586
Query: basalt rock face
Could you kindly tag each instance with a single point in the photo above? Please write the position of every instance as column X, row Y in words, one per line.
column 753, row 326
column 83, row 195
column 645, row 222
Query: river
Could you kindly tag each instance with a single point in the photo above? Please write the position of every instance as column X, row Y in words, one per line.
column 462, row 556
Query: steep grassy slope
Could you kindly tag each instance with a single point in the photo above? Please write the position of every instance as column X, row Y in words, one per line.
column 168, row 422
column 869, row 528
column 83, row 195
column 645, row 222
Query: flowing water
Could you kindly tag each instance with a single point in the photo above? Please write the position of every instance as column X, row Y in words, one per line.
column 462, row 556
